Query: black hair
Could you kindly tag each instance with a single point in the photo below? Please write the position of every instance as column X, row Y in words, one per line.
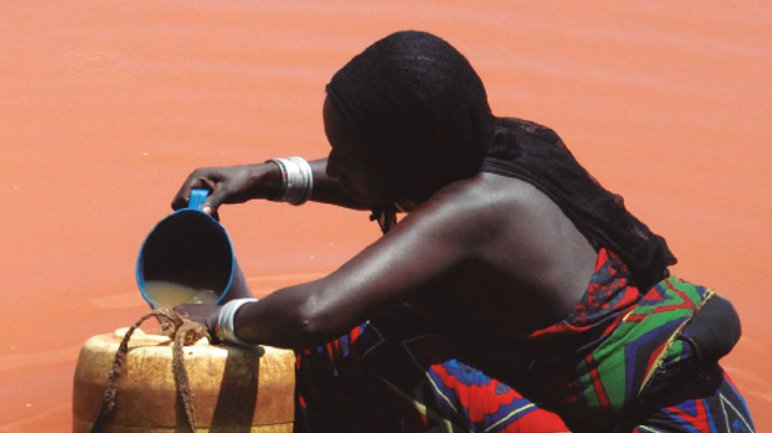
column 423, row 115
column 536, row 154
column 420, row 109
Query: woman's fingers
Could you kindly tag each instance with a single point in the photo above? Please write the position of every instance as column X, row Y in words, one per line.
column 202, row 178
column 233, row 184
column 201, row 313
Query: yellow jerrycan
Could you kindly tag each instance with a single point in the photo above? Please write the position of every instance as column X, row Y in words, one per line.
column 236, row 389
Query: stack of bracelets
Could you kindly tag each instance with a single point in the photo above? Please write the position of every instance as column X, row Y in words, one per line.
column 297, row 180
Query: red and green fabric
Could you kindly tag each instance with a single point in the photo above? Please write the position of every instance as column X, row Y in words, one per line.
column 396, row 373
column 617, row 370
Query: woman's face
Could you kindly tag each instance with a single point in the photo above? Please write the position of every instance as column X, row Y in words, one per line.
column 350, row 162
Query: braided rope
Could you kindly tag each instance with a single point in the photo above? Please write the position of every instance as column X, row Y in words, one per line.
column 184, row 333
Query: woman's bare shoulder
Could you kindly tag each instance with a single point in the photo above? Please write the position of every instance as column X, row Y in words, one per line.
column 476, row 212
column 511, row 224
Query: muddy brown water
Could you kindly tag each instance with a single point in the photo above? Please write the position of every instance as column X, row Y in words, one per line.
column 106, row 106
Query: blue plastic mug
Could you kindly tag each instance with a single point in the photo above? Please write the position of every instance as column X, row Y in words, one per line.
column 188, row 258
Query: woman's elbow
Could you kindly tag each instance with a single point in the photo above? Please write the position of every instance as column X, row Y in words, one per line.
column 315, row 324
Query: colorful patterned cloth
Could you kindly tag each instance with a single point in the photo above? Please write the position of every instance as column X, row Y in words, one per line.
column 383, row 376
column 609, row 366
column 722, row 410
column 598, row 367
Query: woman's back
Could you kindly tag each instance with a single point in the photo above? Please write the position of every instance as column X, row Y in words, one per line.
column 532, row 264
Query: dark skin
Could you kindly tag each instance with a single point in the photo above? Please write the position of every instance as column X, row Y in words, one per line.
column 501, row 255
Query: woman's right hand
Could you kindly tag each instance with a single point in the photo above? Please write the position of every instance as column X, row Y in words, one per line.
column 233, row 184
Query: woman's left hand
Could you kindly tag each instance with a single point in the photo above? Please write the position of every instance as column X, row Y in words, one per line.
column 202, row 313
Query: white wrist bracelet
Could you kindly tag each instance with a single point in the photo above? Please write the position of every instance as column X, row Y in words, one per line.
column 226, row 330
column 297, row 180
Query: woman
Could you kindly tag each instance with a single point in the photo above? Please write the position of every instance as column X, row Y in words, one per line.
column 514, row 288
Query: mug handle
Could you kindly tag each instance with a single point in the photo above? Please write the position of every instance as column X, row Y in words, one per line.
column 197, row 198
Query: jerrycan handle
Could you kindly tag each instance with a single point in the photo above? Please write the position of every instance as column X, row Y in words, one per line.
column 197, row 198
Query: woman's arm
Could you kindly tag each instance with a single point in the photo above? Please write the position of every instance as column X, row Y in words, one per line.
column 418, row 253
column 241, row 183
column 328, row 189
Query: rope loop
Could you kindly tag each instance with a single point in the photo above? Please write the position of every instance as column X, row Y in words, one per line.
column 183, row 332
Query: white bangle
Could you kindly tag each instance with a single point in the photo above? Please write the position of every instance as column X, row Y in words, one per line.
column 226, row 330
column 297, row 180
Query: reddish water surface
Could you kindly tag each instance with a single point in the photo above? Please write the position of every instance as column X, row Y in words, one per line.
column 105, row 106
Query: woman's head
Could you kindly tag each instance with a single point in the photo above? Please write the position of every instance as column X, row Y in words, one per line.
column 412, row 111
